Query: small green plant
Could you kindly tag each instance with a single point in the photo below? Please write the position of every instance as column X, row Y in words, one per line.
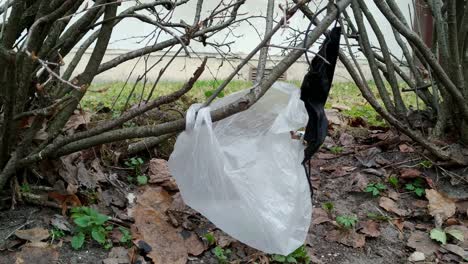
column 56, row 233
column 394, row 181
column 89, row 223
column 298, row 256
column 25, row 188
column 336, row 150
column 126, row 238
column 142, row 179
column 209, row 93
column 210, row 239
column 222, row 254
column 139, row 177
column 367, row 113
column 375, row 188
column 442, row 235
column 417, row 187
column 378, row 217
column 135, row 164
column 347, row 221
column 328, row 206
column 427, row 164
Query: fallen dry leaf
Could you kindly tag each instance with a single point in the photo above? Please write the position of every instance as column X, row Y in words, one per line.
column 156, row 198
column 393, row 195
column 77, row 119
column 194, row 245
column 319, row 216
column 400, row 224
column 325, row 156
column 359, row 181
column 166, row 245
column 222, row 239
column 163, row 242
column 61, row 223
column 405, row 148
column 409, row 173
column 346, row 139
column 440, row 207
column 34, row 234
column 350, row 238
column 367, row 157
column 37, row 255
column 421, row 242
column 389, row 205
column 85, row 178
column 457, row 250
column 370, row 228
column 117, row 255
column 159, row 174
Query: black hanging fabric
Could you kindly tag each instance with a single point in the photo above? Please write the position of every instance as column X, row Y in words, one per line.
column 314, row 92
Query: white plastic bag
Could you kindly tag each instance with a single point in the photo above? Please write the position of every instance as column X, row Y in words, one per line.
column 244, row 173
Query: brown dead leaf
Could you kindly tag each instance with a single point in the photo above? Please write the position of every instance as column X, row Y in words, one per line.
column 422, row 242
column 222, row 239
column 351, row 238
column 61, row 223
column 319, row 216
column 166, row 245
column 97, row 170
column 457, row 250
column 37, row 255
column 368, row 157
column 156, row 198
column 68, row 170
column 117, row 255
column 370, row 228
column 194, row 245
column 439, row 206
column 393, row 195
column 77, row 119
column 346, row 139
column 158, row 171
column 405, row 148
column 34, row 234
column 410, row 173
column 389, row 205
column 325, row 156
column 85, row 178
column 400, row 224
column 339, row 172
column 359, row 181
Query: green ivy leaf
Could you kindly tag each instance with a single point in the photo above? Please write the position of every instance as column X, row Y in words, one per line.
column 439, row 235
column 77, row 241
column 99, row 234
column 410, row 187
column 291, row 259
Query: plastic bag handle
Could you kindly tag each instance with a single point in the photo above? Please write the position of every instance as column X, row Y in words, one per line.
column 204, row 114
column 191, row 116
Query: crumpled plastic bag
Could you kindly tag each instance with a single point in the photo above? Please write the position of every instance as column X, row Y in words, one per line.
column 244, row 172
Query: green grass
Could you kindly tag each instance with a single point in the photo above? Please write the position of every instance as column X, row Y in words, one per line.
column 107, row 94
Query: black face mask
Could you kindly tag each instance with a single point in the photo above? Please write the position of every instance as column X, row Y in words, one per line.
column 314, row 92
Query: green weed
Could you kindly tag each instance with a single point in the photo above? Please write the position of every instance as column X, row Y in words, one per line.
column 89, row 223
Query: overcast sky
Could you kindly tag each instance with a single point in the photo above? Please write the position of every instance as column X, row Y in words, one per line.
column 248, row 37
